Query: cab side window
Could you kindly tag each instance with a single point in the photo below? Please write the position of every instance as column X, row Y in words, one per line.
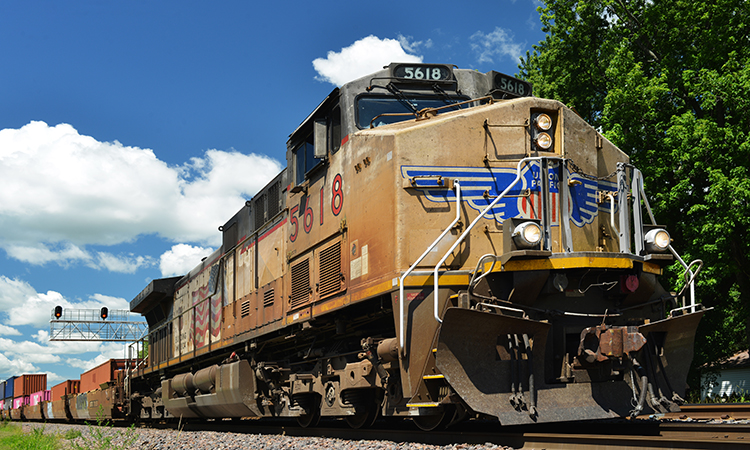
column 305, row 156
column 335, row 129
column 324, row 131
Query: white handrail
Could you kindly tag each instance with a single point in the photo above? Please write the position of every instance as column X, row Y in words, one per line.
column 691, row 278
column 474, row 222
column 402, row 334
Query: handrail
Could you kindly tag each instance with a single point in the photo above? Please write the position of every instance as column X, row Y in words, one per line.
column 461, row 238
column 402, row 307
column 690, row 280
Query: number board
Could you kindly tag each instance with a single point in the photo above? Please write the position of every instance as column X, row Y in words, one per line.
column 422, row 72
column 511, row 86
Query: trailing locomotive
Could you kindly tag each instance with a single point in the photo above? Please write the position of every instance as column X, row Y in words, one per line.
column 441, row 245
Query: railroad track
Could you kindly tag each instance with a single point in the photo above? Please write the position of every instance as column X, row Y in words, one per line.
column 712, row 411
column 624, row 434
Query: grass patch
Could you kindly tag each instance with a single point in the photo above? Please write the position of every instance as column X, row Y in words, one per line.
column 12, row 437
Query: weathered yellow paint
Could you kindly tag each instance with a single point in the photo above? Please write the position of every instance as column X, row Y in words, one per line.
column 444, row 280
column 573, row 262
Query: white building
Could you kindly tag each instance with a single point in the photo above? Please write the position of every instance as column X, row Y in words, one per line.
column 733, row 377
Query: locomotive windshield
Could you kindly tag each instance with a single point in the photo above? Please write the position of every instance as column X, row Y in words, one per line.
column 369, row 107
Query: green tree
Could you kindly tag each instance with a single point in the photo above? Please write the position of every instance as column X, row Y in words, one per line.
column 669, row 83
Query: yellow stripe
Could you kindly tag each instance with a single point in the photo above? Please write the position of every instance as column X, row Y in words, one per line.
column 444, row 280
column 372, row 291
column 652, row 268
column 573, row 262
column 423, row 405
column 434, row 377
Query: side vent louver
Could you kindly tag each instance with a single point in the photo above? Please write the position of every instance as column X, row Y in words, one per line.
column 260, row 211
column 300, row 284
column 273, row 200
column 268, row 298
column 330, row 270
column 245, row 308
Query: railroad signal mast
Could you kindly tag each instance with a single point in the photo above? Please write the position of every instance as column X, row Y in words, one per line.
column 95, row 325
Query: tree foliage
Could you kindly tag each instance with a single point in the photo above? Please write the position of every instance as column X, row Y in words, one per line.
column 669, row 83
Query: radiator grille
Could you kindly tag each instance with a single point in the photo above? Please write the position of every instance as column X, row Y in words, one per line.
column 273, row 200
column 260, row 211
column 245, row 309
column 268, row 298
column 300, row 283
column 330, row 270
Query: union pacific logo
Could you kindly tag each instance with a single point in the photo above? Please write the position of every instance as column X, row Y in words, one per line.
column 481, row 185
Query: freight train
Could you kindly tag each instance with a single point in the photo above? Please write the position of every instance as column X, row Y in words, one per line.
column 441, row 246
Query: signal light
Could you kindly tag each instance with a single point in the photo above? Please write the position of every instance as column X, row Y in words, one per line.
column 104, row 312
column 58, row 311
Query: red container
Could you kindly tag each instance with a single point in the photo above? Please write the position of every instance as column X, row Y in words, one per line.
column 65, row 388
column 28, row 384
column 101, row 374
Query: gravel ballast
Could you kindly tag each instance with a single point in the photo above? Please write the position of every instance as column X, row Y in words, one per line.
column 166, row 439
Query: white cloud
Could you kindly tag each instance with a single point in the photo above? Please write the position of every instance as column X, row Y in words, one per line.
column 14, row 292
column 8, row 331
column 122, row 263
column 181, row 259
column 63, row 191
column 12, row 367
column 498, row 43
column 365, row 56
column 412, row 46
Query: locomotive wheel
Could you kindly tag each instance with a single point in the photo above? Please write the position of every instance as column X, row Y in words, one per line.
column 435, row 421
column 364, row 418
column 312, row 419
column 309, row 420
column 367, row 411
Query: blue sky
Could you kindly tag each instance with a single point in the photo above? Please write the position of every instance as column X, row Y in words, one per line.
column 129, row 131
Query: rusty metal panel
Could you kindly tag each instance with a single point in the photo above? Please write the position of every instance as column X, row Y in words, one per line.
column 34, row 412
column 57, row 410
column 187, row 332
column 246, row 317
column 202, row 323
column 65, row 388
column 675, row 339
column 104, row 373
column 215, row 317
column 102, row 404
column 271, row 253
column 245, row 257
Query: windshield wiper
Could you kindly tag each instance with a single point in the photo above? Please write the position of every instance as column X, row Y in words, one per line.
column 401, row 97
column 445, row 97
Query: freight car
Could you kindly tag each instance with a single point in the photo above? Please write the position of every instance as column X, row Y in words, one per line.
column 441, row 246
column 98, row 395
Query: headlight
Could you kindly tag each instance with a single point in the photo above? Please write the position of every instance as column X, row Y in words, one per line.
column 527, row 235
column 657, row 240
column 544, row 141
column 543, row 122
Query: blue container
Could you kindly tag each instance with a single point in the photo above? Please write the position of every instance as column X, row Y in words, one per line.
column 9, row 384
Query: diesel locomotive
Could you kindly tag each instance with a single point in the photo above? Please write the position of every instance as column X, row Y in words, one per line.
column 441, row 246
